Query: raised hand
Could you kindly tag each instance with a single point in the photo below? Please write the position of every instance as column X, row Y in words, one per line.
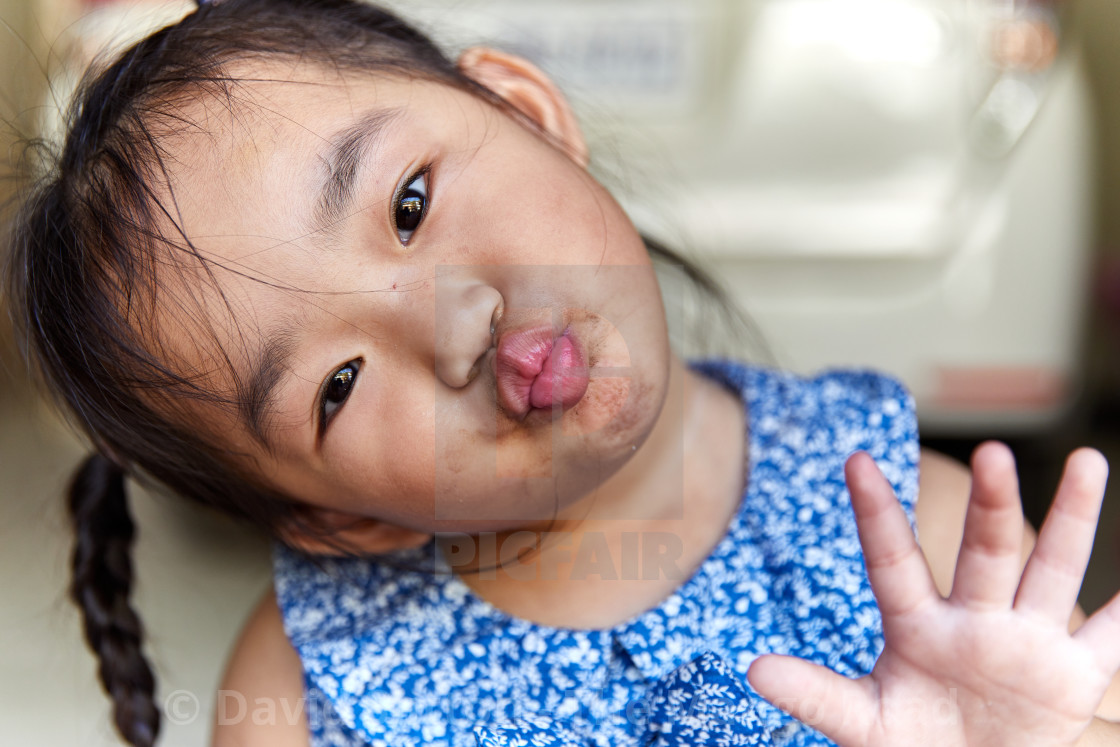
column 992, row 664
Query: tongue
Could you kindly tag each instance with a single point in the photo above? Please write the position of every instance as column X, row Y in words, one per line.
column 563, row 380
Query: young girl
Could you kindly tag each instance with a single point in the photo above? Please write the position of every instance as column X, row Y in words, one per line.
column 296, row 265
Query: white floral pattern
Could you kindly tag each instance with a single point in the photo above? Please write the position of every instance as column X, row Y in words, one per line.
column 397, row 655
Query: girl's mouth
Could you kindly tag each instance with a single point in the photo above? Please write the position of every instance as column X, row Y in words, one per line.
column 536, row 369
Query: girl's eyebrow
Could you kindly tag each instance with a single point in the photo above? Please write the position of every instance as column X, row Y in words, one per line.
column 348, row 149
column 266, row 370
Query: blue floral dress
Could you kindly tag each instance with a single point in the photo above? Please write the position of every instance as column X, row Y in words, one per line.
column 399, row 656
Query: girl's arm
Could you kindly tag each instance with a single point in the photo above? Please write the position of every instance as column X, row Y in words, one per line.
column 261, row 700
column 994, row 662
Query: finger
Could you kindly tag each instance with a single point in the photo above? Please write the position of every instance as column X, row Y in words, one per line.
column 843, row 710
column 896, row 567
column 1101, row 633
column 988, row 564
column 1052, row 578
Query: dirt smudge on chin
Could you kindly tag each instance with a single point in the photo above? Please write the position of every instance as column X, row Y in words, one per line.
column 602, row 408
column 632, row 411
column 522, row 454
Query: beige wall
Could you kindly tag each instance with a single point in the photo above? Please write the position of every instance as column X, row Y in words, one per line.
column 1098, row 22
column 16, row 66
column 28, row 33
column 28, row 29
column 15, row 97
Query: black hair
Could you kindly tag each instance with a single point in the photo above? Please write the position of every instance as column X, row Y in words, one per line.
column 86, row 248
column 101, row 585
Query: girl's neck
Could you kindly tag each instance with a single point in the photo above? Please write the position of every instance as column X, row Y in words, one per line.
column 625, row 547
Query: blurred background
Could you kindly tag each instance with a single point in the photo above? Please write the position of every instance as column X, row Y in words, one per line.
column 927, row 188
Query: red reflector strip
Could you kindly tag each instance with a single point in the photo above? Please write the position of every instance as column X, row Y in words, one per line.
column 999, row 388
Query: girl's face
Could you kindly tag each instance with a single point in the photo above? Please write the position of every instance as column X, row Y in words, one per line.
column 398, row 260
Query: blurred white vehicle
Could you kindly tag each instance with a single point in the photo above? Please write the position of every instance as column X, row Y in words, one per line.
column 902, row 184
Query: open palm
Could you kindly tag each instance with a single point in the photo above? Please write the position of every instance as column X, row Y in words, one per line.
column 992, row 664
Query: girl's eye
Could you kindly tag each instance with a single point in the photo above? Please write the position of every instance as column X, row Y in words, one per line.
column 410, row 206
column 337, row 389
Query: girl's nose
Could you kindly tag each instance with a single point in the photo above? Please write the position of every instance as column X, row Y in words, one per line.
column 465, row 312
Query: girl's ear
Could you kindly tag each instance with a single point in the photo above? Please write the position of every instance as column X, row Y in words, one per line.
column 322, row 531
column 522, row 85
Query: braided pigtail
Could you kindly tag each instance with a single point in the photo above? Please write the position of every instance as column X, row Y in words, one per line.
column 101, row 584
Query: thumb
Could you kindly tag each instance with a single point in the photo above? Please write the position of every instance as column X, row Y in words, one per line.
column 840, row 708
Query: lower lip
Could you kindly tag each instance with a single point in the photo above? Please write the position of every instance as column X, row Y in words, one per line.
column 536, row 371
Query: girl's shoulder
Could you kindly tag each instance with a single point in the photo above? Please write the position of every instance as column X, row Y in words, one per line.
column 263, row 669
